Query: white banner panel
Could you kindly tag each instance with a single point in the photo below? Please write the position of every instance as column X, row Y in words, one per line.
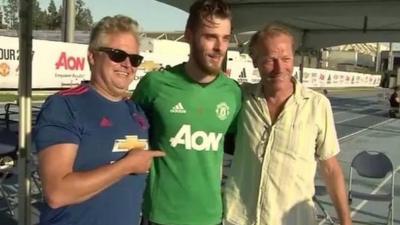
column 54, row 65
column 59, row 64
column 64, row 65
column 9, row 64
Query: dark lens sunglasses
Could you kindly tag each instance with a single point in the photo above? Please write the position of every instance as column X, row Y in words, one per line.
column 117, row 55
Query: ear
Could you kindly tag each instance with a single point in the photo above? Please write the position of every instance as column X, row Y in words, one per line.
column 188, row 35
column 90, row 57
column 254, row 60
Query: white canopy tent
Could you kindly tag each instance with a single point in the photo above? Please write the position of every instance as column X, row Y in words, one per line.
column 317, row 23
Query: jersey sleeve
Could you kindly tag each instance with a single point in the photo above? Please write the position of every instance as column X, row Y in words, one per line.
column 56, row 124
column 327, row 144
column 230, row 136
column 229, row 141
column 144, row 93
column 233, row 127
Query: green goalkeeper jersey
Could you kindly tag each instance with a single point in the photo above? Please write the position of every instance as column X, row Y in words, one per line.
column 188, row 121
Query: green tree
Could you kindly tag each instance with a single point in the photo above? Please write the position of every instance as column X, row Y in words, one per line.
column 2, row 25
column 11, row 14
column 39, row 20
column 83, row 18
column 53, row 16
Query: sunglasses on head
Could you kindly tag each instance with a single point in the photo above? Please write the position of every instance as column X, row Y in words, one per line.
column 118, row 55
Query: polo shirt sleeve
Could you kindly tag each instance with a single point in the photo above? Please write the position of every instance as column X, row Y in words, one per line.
column 327, row 144
column 56, row 124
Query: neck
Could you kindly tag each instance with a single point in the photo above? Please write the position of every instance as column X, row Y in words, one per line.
column 107, row 94
column 198, row 75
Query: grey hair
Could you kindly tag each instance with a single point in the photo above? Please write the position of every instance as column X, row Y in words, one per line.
column 110, row 25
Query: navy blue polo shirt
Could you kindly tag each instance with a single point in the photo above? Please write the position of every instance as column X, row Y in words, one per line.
column 83, row 117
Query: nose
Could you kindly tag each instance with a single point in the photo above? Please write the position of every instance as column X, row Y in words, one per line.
column 278, row 66
column 218, row 45
column 126, row 63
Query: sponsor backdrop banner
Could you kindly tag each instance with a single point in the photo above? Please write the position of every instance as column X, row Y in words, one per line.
column 64, row 65
column 331, row 78
column 54, row 64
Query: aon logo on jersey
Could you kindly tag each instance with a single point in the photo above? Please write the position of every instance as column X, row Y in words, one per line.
column 199, row 140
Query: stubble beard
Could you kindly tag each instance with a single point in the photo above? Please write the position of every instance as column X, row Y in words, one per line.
column 201, row 61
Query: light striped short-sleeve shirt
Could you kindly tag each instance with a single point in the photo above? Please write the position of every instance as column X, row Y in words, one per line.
column 272, row 174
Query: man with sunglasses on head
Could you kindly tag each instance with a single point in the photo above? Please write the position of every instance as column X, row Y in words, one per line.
column 90, row 174
column 191, row 107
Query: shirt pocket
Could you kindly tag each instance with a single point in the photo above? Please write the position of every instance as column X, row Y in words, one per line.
column 303, row 146
column 303, row 138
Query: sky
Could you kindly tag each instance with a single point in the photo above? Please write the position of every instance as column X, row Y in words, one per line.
column 151, row 15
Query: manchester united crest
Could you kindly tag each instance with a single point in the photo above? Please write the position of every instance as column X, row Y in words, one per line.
column 222, row 111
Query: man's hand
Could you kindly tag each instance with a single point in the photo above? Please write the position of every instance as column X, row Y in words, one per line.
column 63, row 186
column 139, row 161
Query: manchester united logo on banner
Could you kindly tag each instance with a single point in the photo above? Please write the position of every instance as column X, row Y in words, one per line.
column 4, row 69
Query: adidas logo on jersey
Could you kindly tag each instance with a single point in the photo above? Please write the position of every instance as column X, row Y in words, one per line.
column 178, row 108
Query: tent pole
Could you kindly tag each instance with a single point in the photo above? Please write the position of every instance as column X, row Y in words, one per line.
column 68, row 22
column 25, row 111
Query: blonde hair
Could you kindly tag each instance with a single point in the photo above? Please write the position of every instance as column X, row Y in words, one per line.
column 111, row 25
column 270, row 30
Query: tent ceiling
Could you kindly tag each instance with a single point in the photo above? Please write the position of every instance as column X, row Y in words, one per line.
column 317, row 23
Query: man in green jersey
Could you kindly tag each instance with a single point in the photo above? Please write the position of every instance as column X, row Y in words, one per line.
column 191, row 107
